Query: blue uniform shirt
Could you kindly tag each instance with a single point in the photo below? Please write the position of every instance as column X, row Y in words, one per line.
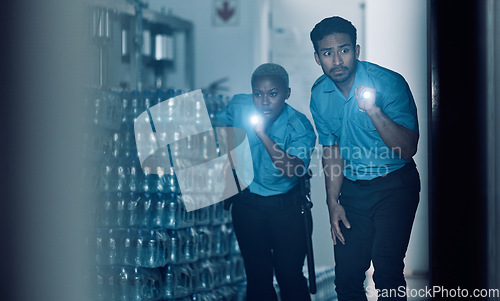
column 292, row 131
column 340, row 120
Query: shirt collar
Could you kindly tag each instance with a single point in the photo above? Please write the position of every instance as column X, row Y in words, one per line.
column 329, row 85
column 360, row 78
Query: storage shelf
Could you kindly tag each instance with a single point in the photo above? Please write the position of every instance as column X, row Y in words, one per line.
column 125, row 8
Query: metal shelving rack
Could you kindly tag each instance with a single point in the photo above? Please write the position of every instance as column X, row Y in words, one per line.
column 125, row 29
column 188, row 266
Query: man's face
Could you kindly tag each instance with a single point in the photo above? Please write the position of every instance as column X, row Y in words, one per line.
column 269, row 96
column 337, row 57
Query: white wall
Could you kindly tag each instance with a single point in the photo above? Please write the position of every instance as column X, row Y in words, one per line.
column 219, row 51
column 396, row 38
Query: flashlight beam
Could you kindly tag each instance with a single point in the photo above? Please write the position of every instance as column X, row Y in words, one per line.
column 255, row 119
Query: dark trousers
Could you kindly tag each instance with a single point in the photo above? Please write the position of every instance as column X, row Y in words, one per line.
column 381, row 214
column 271, row 236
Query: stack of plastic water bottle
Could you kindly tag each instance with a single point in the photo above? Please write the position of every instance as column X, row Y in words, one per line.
column 147, row 246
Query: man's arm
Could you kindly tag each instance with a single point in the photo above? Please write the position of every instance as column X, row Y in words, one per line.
column 332, row 167
column 398, row 138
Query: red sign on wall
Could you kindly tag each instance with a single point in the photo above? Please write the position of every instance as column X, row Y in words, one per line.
column 225, row 12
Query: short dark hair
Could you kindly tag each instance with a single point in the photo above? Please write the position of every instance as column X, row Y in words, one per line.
column 274, row 70
column 332, row 25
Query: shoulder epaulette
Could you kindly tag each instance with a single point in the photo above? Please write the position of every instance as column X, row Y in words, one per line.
column 318, row 81
column 297, row 120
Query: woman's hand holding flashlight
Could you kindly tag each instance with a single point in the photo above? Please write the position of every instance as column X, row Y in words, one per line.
column 366, row 98
column 259, row 124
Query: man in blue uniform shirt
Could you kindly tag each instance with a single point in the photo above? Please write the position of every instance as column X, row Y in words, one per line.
column 366, row 121
column 267, row 216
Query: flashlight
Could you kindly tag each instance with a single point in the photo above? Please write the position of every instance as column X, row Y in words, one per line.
column 254, row 119
column 366, row 94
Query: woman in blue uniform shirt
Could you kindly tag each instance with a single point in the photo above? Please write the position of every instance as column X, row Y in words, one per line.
column 267, row 215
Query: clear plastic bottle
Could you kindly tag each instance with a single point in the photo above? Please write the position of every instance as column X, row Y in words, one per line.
column 177, row 216
column 158, row 212
column 119, row 236
column 134, row 176
column 187, row 216
column 107, row 209
column 138, row 280
column 111, row 247
column 178, row 281
column 135, row 106
column 121, row 175
column 166, row 246
column 169, row 182
column 172, row 211
column 219, row 270
column 151, row 251
column 123, row 291
column 121, row 210
column 129, row 248
column 149, row 99
column 145, row 210
column 139, row 248
column 237, row 268
column 220, row 241
column 132, row 215
column 150, row 181
column 169, row 282
column 204, row 241
column 116, row 144
column 108, row 174
column 190, row 245
column 128, row 146
column 153, row 289
column 205, row 275
column 176, row 238
column 125, row 108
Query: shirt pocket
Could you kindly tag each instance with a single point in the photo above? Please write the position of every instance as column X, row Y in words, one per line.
column 269, row 175
column 329, row 121
column 334, row 117
column 363, row 121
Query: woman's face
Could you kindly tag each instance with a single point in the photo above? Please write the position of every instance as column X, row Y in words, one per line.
column 269, row 95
